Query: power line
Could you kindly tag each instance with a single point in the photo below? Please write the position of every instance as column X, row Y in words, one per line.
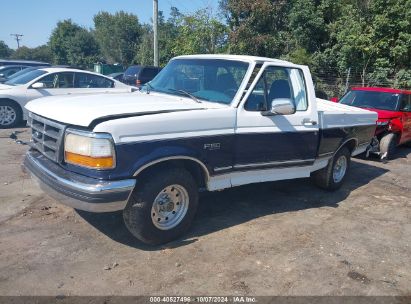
column 18, row 38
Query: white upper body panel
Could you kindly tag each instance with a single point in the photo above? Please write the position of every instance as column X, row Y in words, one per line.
column 140, row 116
column 83, row 110
column 246, row 58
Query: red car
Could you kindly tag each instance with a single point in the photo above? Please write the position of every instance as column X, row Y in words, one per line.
column 394, row 115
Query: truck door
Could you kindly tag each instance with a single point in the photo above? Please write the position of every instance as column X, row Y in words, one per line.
column 265, row 141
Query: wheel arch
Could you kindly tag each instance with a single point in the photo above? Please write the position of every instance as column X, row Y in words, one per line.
column 350, row 143
column 196, row 167
column 12, row 101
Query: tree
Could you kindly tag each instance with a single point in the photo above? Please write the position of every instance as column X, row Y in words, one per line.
column 73, row 45
column 5, row 51
column 84, row 50
column 200, row 33
column 258, row 27
column 40, row 53
column 307, row 25
column 60, row 40
column 167, row 34
column 118, row 36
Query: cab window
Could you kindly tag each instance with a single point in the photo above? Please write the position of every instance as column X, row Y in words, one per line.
column 275, row 83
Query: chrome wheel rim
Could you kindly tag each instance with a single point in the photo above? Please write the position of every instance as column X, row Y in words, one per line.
column 340, row 168
column 7, row 115
column 170, row 207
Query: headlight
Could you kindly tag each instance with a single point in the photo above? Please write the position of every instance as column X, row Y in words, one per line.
column 90, row 150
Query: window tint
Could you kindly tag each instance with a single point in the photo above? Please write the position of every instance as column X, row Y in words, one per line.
column 406, row 103
column 149, row 73
column 25, row 77
column 63, row 80
column 48, row 80
column 214, row 80
column 132, row 71
column 84, row 80
column 10, row 72
column 275, row 83
column 257, row 101
column 372, row 100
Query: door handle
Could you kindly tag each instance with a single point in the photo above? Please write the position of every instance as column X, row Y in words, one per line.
column 309, row 122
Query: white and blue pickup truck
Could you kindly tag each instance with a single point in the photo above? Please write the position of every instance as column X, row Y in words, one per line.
column 205, row 122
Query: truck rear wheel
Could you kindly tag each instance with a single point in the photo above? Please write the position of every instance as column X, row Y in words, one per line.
column 388, row 146
column 163, row 207
column 332, row 177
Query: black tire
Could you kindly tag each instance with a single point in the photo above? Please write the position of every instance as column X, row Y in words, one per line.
column 324, row 178
column 138, row 215
column 18, row 117
column 388, row 146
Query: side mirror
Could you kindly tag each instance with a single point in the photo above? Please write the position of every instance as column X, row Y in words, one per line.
column 38, row 85
column 334, row 99
column 281, row 106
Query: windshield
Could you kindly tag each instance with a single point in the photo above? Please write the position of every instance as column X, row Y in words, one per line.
column 25, row 78
column 214, row 80
column 21, row 73
column 372, row 100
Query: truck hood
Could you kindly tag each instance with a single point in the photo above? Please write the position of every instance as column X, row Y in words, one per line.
column 82, row 110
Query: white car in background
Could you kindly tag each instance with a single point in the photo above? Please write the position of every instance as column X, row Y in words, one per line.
column 43, row 82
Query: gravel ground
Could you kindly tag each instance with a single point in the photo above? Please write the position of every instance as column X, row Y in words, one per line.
column 282, row 238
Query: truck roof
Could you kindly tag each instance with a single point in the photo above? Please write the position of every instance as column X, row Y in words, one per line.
column 383, row 90
column 235, row 57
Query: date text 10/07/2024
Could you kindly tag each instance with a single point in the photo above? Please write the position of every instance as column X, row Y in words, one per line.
column 234, row 299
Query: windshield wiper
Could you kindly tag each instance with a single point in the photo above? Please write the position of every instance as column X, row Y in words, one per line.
column 185, row 93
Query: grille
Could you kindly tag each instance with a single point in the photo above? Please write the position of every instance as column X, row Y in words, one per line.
column 46, row 136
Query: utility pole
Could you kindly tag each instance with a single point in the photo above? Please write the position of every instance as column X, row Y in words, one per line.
column 155, row 29
column 18, row 38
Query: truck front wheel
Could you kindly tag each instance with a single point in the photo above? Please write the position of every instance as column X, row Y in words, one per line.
column 332, row 177
column 162, row 207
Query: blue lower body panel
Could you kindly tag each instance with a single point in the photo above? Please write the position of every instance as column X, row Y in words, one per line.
column 77, row 191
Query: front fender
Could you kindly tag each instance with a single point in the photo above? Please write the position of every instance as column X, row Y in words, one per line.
column 167, row 153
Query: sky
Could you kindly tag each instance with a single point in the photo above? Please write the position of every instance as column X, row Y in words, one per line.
column 35, row 19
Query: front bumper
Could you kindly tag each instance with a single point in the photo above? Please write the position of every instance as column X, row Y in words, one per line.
column 75, row 190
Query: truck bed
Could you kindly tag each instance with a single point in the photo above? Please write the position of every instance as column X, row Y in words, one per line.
column 335, row 115
column 339, row 123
